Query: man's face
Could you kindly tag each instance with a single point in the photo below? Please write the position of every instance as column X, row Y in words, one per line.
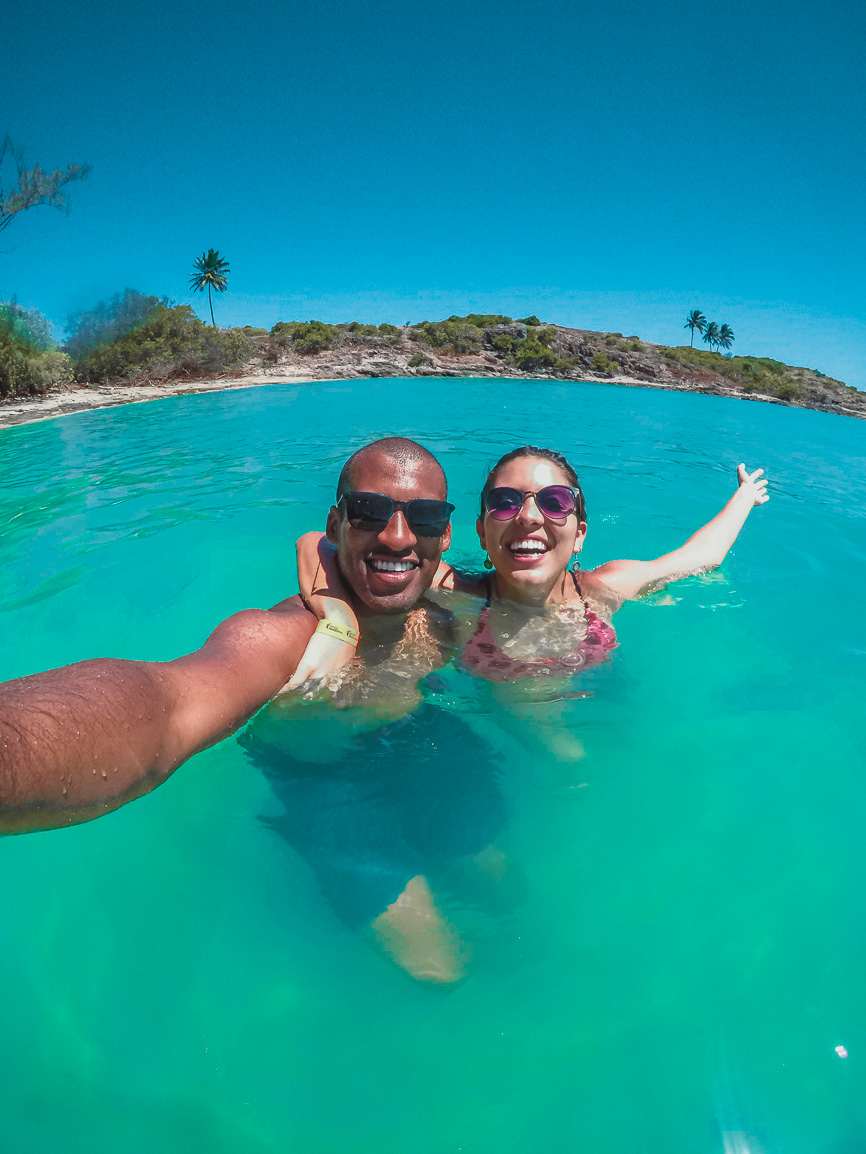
column 390, row 569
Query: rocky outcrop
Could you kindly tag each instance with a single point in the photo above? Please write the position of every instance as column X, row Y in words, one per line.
column 578, row 353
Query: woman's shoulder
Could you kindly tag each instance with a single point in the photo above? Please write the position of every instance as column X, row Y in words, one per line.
column 598, row 594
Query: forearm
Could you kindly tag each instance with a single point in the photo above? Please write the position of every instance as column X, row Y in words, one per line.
column 704, row 550
column 80, row 741
column 321, row 584
column 710, row 545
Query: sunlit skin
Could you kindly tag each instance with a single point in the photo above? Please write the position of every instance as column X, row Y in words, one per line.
column 537, row 579
column 378, row 592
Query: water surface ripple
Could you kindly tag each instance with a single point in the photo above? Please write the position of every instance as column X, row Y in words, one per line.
column 690, row 949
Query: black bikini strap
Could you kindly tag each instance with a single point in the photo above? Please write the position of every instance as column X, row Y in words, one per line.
column 488, row 585
column 580, row 591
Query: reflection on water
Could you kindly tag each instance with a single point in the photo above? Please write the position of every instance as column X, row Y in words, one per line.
column 672, row 860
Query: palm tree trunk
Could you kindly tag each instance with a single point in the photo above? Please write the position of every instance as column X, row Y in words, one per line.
column 692, row 341
column 210, row 302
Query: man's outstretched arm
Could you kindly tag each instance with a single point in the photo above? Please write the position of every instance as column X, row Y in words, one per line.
column 80, row 741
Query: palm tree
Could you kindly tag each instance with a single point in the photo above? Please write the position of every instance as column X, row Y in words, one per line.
column 711, row 334
column 695, row 320
column 726, row 337
column 210, row 271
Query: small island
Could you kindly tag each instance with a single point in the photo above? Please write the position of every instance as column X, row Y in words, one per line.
column 137, row 348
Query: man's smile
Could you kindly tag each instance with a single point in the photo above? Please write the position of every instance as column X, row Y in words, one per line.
column 392, row 570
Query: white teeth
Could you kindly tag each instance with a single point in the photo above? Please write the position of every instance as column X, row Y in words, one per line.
column 392, row 566
column 528, row 547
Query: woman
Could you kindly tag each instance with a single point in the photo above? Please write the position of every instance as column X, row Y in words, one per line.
column 540, row 618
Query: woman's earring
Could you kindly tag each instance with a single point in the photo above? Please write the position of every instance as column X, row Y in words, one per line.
column 488, row 564
column 575, row 565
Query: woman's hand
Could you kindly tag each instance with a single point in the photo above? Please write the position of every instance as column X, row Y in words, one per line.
column 750, row 484
column 323, row 657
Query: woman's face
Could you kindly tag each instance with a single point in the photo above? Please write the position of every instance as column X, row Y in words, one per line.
column 530, row 553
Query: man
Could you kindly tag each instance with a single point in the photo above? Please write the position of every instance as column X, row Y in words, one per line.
column 78, row 742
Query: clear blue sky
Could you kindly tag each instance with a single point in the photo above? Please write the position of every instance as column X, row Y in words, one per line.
column 604, row 165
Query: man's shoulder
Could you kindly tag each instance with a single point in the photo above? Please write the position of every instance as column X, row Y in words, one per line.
column 294, row 607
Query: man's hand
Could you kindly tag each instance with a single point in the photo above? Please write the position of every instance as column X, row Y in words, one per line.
column 750, row 484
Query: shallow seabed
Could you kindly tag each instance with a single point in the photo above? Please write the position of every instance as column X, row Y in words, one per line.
column 691, row 946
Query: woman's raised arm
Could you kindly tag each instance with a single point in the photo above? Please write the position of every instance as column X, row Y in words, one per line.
column 325, row 594
column 704, row 550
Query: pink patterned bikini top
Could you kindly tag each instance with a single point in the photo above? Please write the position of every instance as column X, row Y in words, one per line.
column 483, row 655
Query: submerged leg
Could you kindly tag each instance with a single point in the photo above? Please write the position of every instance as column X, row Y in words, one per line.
column 418, row 937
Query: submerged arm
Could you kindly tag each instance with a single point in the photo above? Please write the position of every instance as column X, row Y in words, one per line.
column 704, row 550
column 78, row 742
column 451, row 579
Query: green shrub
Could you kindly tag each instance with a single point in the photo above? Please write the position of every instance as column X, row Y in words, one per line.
column 419, row 359
column 107, row 321
column 787, row 391
column 482, row 320
column 456, row 335
column 307, row 336
column 635, row 346
column 601, row 363
column 30, row 362
column 253, row 332
column 392, row 333
column 547, row 336
column 532, row 354
column 29, row 326
column 530, row 320
column 754, row 374
column 172, row 342
column 504, row 343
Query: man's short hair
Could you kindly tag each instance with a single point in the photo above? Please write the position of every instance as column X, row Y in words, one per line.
column 400, row 450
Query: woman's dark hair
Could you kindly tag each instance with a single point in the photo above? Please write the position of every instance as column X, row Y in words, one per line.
column 547, row 455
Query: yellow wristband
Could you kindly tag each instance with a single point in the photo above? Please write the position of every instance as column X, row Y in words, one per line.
column 332, row 629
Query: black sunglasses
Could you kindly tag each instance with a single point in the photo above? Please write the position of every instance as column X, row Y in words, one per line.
column 372, row 512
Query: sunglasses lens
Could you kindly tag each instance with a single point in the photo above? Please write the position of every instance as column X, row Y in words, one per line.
column 368, row 510
column 428, row 518
column 373, row 511
column 503, row 503
column 556, row 501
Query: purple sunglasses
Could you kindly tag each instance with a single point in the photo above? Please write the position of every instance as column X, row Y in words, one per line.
column 555, row 502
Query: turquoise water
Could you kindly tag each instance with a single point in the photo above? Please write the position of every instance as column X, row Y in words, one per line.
column 690, row 948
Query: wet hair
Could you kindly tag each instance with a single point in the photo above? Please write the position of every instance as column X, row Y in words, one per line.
column 546, row 455
column 400, row 450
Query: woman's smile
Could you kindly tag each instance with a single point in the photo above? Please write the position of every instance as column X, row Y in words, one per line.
column 528, row 550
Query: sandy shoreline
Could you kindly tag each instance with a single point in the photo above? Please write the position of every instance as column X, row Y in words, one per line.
column 62, row 404
column 82, row 400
